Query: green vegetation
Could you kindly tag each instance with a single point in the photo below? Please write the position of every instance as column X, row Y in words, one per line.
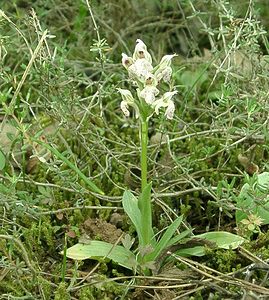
column 71, row 162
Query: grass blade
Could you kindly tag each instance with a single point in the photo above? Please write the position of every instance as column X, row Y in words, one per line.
column 60, row 156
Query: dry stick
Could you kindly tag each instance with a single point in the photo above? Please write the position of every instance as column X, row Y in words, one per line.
column 252, row 257
column 44, row 35
column 56, row 186
column 51, row 212
column 234, row 281
column 24, row 252
column 17, row 91
column 2, row 14
column 157, row 278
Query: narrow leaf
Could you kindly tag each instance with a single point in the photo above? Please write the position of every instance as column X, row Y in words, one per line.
column 164, row 241
column 179, row 237
column 100, row 249
column 130, row 206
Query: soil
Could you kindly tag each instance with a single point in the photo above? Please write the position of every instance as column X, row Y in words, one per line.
column 102, row 230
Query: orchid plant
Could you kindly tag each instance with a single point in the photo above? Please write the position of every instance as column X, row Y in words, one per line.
column 149, row 99
column 146, row 79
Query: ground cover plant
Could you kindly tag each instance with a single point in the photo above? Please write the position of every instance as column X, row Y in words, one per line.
column 140, row 175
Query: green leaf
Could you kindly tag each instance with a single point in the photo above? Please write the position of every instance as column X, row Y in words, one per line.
column 164, row 241
column 179, row 237
column 100, row 249
column 254, row 200
column 130, row 206
column 223, row 239
column 2, row 160
column 194, row 251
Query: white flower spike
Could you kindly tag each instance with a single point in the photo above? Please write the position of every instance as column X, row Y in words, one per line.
column 146, row 80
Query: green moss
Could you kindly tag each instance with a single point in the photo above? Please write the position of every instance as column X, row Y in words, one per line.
column 61, row 293
column 107, row 291
column 45, row 286
column 224, row 261
column 86, row 293
column 10, row 286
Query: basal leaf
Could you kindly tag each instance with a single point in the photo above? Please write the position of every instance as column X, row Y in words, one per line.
column 164, row 241
column 179, row 237
column 194, row 251
column 223, row 239
column 100, row 249
column 130, row 206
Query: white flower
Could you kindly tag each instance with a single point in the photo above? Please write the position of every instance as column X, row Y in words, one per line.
column 128, row 100
column 166, row 101
column 165, row 74
column 149, row 93
column 164, row 70
column 141, row 51
column 126, row 96
column 169, row 113
column 146, row 79
column 142, row 69
column 126, row 61
column 166, row 61
column 124, row 108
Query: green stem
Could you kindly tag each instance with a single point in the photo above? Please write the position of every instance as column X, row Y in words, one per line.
column 144, row 145
column 144, row 201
